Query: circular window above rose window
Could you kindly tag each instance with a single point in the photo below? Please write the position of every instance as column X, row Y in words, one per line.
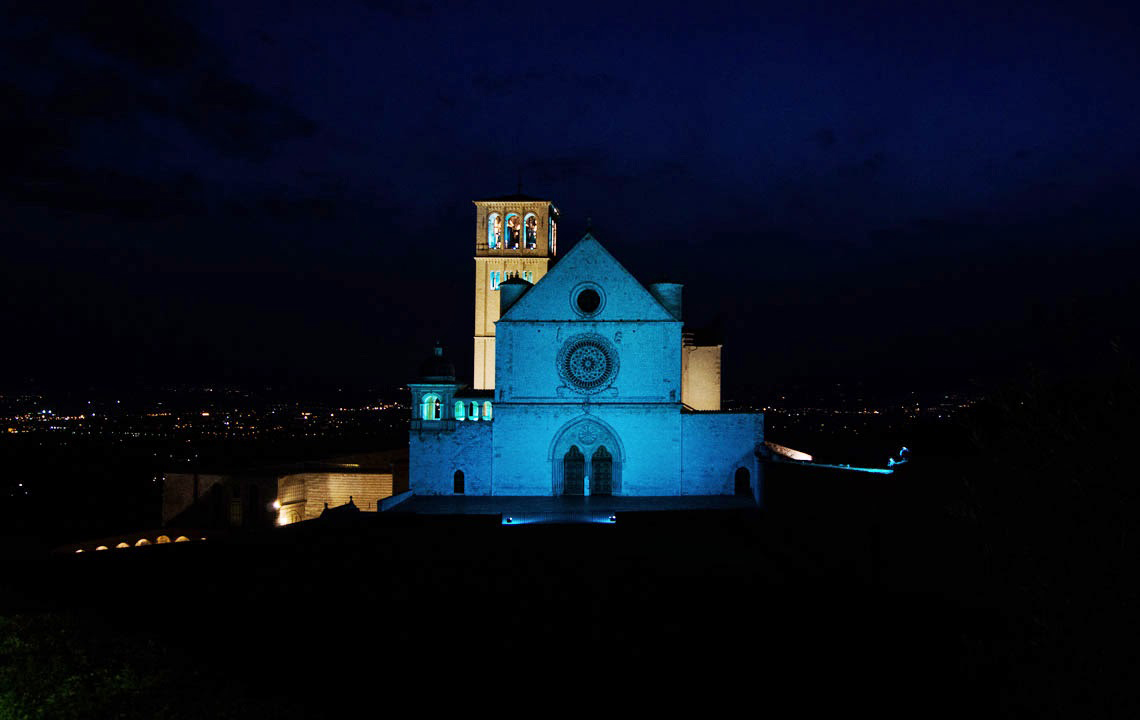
column 587, row 299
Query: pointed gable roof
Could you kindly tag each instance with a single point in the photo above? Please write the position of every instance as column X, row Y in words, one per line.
column 587, row 262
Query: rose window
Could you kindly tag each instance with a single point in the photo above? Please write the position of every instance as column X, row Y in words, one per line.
column 588, row 362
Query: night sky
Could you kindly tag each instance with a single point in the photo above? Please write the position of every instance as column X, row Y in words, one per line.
column 280, row 192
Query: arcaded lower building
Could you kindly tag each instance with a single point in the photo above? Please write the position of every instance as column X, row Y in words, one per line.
column 597, row 389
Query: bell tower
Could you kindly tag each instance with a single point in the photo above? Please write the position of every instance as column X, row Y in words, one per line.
column 515, row 236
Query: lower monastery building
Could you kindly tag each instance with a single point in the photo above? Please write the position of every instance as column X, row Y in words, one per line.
column 594, row 387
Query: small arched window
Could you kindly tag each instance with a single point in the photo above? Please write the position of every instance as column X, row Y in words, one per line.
column 486, row 409
column 474, row 409
column 459, row 485
column 514, row 229
column 494, row 230
column 530, row 231
column 431, row 408
column 460, row 410
column 742, row 482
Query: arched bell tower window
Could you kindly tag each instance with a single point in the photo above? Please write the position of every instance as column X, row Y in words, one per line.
column 530, row 231
column 460, row 410
column 494, row 230
column 432, row 407
column 514, row 230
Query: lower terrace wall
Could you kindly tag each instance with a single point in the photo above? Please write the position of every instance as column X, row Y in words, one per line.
column 435, row 456
column 303, row 495
column 714, row 446
column 181, row 490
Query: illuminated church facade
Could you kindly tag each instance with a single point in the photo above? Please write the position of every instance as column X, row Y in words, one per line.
column 585, row 381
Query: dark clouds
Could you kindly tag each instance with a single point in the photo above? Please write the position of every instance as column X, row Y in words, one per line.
column 117, row 98
column 249, row 171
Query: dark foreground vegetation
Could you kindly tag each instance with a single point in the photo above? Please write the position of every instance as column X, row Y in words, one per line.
column 319, row 619
column 995, row 573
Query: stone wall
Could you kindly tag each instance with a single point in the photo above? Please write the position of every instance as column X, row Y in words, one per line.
column 700, row 376
column 649, row 361
column 179, row 492
column 303, row 495
column 714, row 446
column 435, row 455
column 531, row 441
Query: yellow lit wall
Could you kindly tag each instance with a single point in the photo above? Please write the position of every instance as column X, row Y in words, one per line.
column 700, row 376
column 303, row 495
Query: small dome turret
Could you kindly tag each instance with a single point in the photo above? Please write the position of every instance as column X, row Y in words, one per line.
column 437, row 368
column 510, row 290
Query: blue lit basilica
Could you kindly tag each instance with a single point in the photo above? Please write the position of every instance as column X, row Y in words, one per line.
column 585, row 381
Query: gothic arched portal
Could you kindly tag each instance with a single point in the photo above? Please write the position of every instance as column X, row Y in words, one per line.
column 573, row 472
column 602, row 472
column 586, row 457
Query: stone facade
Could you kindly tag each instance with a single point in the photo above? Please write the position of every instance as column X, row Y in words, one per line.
column 700, row 376
column 715, row 447
column 280, row 495
column 590, row 397
column 435, row 457
column 303, row 496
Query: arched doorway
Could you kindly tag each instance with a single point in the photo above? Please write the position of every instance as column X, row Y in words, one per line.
column 602, row 472
column 742, row 482
column 574, row 472
column 459, row 485
column 576, row 457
